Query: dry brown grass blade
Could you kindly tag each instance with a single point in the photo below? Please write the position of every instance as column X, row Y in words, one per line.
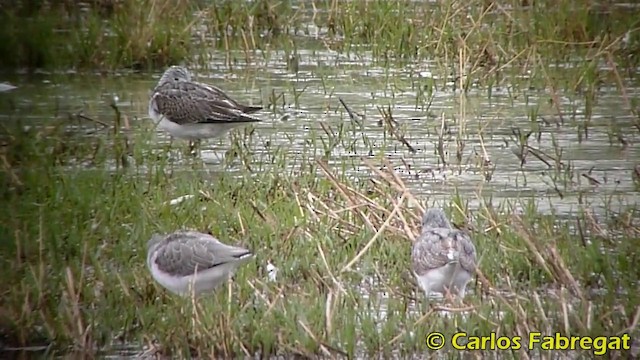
column 553, row 89
column 548, row 258
column 489, row 216
column 344, row 192
column 593, row 225
column 328, row 268
column 328, row 130
column 591, row 179
column 406, row 228
column 621, row 87
column 486, row 284
column 328, row 313
column 7, row 168
column 538, row 154
column 352, row 114
column 563, row 272
column 90, row 119
column 323, row 346
column 634, row 323
column 388, row 118
column 526, row 237
column 375, row 237
column 541, row 311
column 392, row 178
column 265, row 217
column 452, row 309
column 376, row 210
column 82, row 332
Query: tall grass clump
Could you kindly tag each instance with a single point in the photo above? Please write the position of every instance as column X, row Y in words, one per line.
column 473, row 43
column 251, row 21
column 138, row 34
column 486, row 44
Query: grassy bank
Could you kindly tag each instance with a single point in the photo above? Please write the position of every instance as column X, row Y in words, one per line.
column 477, row 39
column 75, row 229
column 98, row 35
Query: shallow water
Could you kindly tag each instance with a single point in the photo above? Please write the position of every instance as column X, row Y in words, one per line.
column 43, row 97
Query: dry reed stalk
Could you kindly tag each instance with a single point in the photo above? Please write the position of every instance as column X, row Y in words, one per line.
column 546, row 255
column 392, row 124
column 377, row 234
column 344, row 191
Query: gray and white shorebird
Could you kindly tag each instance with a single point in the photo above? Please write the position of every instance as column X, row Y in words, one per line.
column 444, row 258
column 189, row 262
column 191, row 110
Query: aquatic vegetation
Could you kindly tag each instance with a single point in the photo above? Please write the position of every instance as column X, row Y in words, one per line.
column 129, row 34
column 474, row 42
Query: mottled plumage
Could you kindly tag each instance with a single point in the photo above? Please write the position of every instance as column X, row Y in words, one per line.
column 185, row 258
column 193, row 110
column 444, row 258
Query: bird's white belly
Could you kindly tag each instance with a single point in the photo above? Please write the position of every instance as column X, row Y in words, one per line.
column 195, row 131
column 450, row 276
column 202, row 282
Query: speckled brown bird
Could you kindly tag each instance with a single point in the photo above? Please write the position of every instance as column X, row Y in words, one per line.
column 444, row 258
column 192, row 110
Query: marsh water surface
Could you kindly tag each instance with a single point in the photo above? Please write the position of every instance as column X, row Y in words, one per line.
column 597, row 162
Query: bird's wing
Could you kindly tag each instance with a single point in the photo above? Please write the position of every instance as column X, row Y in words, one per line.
column 434, row 247
column 187, row 103
column 207, row 91
column 467, row 252
column 184, row 253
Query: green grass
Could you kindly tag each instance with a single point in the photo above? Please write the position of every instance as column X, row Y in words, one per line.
column 482, row 44
column 76, row 279
column 133, row 34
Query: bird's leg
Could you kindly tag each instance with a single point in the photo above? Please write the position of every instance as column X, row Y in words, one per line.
column 426, row 301
column 194, row 147
column 167, row 147
column 186, row 151
column 191, row 150
column 229, row 294
column 461, row 293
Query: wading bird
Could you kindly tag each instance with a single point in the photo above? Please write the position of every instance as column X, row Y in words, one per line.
column 191, row 110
